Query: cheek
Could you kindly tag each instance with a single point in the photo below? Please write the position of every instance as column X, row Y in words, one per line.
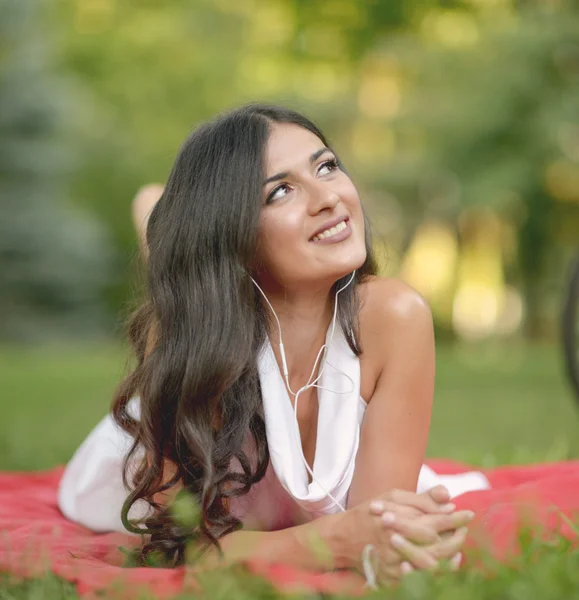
column 351, row 200
column 350, row 196
column 359, row 227
column 280, row 241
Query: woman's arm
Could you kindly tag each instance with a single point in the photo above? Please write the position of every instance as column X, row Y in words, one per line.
column 315, row 545
column 394, row 433
column 338, row 540
column 293, row 545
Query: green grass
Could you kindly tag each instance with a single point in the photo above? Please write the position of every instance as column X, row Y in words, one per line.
column 501, row 404
column 49, row 586
column 494, row 404
column 544, row 572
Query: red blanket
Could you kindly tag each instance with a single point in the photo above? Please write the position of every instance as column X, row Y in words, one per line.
column 35, row 536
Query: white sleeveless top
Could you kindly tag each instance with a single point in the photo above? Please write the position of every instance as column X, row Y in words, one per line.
column 91, row 491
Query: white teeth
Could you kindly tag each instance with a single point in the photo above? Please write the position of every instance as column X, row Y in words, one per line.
column 332, row 231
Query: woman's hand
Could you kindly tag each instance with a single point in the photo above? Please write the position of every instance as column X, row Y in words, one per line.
column 433, row 501
column 408, row 531
column 423, row 541
column 424, row 527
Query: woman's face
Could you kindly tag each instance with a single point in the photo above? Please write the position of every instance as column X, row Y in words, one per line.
column 304, row 192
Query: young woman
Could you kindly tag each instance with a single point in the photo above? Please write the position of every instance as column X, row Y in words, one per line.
column 279, row 379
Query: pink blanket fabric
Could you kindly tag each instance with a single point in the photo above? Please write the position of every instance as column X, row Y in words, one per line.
column 34, row 536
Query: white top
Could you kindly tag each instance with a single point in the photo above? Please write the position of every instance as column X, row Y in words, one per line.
column 91, row 491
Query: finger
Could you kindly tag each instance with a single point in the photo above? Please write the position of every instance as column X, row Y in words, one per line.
column 423, row 502
column 390, row 575
column 439, row 494
column 442, row 523
column 378, row 571
column 406, row 568
column 378, row 507
column 417, row 556
column 455, row 561
column 449, row 547
column 414, row 530
column 384, row 554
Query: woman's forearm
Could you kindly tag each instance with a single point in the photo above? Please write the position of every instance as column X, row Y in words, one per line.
column 314, row 545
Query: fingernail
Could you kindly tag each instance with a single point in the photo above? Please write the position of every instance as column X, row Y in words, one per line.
column 444, row 491
column 377, row 507
column 463, row 531
column 388, row 518
column 406, row 568
column 397, row 540
column 456, row 560
column 448, row 508
column 469, row 514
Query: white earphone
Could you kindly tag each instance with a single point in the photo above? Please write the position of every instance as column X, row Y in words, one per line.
column 369, row 570
column 309, row 385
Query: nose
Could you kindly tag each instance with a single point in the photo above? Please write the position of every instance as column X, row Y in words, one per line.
column 321, row 195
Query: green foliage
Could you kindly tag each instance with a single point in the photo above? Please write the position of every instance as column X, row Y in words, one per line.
column 483, row 112
column 131, row 557
column 45, row 588
column 53, row 258
column 152, row 71
column 186, row 510
column 545, row 570
column 491, row 119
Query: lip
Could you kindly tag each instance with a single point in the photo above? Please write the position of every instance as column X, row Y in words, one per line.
column 328, row 224
column 337, row 237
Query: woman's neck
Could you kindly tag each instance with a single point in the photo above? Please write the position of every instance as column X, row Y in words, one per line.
column 304, row 321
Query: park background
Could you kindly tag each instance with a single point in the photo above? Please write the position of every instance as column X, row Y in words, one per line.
column 458, row 121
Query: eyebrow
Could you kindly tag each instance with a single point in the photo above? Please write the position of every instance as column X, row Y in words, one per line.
column 284, row 174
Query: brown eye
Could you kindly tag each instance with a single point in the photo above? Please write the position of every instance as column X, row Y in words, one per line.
column 331, row 164
column 272, row 194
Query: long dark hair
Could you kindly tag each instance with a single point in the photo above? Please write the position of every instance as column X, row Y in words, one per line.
column 198, row 334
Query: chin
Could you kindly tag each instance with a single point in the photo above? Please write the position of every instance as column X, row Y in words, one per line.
column 354, row 263
column 358, row 258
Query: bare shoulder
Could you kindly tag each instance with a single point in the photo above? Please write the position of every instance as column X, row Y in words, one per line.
column 396, row 329
column 395, row 323
column 392, row 303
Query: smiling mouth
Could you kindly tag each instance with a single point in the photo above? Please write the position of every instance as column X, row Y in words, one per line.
column 334, row 234
column 330, row 231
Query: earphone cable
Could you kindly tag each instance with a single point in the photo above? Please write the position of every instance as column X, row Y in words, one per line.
column 369, row 549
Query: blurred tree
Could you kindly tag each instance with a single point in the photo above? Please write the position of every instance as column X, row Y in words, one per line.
column 446, row 103
column 150, row 71
column 53, row 259
column 491, row 118
column 153, row 70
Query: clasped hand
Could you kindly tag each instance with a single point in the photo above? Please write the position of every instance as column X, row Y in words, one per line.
column 415, row 531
